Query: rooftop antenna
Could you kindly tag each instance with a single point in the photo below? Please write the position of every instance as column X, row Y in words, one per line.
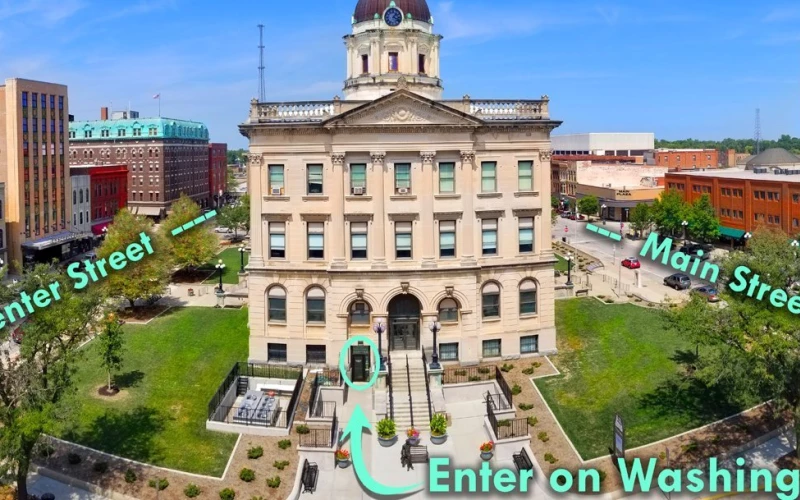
column 262, row 92
column 758, row 131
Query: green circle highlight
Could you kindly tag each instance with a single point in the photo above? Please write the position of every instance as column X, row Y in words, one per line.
column 343, row 369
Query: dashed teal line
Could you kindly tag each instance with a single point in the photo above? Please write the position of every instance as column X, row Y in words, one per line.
column 191, row 224
column 603, row 232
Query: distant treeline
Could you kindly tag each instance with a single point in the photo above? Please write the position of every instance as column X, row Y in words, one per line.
column 740, row 145
column 237, row 156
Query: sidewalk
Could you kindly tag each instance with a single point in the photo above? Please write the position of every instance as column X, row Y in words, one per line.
column 39, row 485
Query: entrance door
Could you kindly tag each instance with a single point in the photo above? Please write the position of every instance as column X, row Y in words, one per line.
column 404, row 323
column 359, row 368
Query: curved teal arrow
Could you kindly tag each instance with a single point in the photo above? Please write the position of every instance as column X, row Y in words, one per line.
column 355, row 427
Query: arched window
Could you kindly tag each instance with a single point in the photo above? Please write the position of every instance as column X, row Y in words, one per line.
column 315, row 306
column 490, row 300
column 87, row 195
column 74, row 197
column 448, row 311
column 80, row 195
column 360, row 313
column 276, row 304
column 527, row 297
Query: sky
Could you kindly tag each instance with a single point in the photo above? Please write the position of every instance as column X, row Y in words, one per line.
column 677, row 68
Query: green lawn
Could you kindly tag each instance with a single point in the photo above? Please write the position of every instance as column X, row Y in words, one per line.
column 232, row 260
column 622, row 359
column 173, row 367
column 561, row 265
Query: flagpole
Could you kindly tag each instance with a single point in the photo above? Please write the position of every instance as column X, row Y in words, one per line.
column 159, row 104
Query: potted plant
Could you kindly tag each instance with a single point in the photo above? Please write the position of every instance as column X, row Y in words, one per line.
column 438, row 429
column 387, row 432
column 343, row 458
column 486, row 451
column 412, row 436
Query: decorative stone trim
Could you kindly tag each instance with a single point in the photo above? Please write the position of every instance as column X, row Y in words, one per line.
column 254, row 160
column 403, row 217
column 337, row 159
column 447, row 196
column 448, row 215
column 490, row 214
column 276, row 217
column 358, row 198
column 427, row 157
column 358, row 217
column 316, row 198
column 276, row 198
column 526, row 194
column 377, row 157
column 468, row 157
column 528, row 212
column 315, row 217
column 403, row 197
column 545, row 156
column 489, row 195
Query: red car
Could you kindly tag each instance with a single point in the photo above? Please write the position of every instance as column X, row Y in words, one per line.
column 631, row 263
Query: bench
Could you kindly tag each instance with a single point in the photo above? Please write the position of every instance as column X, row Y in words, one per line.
column 309, row 477
column 411, row 455
column 522, row 460
column 585, row 292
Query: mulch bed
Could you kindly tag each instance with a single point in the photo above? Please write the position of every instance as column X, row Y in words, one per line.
column 187, row 277
column 789, row 461
column 141, row 314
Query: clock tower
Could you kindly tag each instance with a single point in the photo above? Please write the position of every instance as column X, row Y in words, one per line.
column 392, row 47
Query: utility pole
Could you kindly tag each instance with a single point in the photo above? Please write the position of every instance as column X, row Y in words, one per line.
column 757, row 136
column 262, row 90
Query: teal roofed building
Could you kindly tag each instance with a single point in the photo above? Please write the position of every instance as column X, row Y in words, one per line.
column 138, row 128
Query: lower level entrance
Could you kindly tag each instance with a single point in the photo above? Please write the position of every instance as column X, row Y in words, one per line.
column 359, row 363
column 405, row 314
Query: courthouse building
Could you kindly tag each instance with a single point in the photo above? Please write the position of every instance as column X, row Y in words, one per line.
column 396, row 206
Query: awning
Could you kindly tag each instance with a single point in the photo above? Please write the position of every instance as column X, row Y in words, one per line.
column 736, row 234
column 51, row 241
column 97, row 229
column 149, row 211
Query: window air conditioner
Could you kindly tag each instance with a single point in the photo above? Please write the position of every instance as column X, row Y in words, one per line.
column 277, row 191
column 358, row 191
column 402, row 191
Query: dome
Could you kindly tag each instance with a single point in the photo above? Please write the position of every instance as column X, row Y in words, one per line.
column 774, row 157
column 366, row 9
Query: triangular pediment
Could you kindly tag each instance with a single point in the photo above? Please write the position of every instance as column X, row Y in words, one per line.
column 403, row 108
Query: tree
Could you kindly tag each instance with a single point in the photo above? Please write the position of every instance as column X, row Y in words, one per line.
column 112, row 343
column 236, row 217
column 669, row 212
column 194, row 247
column 703, row 220
column 35, row 387
column 641, row 218
column 589, row 205
column 554, row 202
column 150, row 276
column 231, row 181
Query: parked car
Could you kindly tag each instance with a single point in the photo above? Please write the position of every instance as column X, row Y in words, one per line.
column 678, row 281
column 631, row 263
column 707, row 291
column 693, row 249
column 225, row 230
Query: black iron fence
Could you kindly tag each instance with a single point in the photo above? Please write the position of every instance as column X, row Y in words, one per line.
column 324, row 409
column 389, row 383
column 249, row 370
column 298, row 387
column 219, row 397
column 330, row 378
column 410, row 400
column 427, row 385
column 501, row 381
column 321, row 438
column 497, row 401
column 462, row 375
column 506, row 429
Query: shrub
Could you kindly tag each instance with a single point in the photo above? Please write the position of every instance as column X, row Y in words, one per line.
column 716, row 439
column 130, row 476
column 280, row 465
column 73, row 458
column 255, row 453
column 532, row 421
column 516, row 389
column 227, row 494
column 191, row 491
column 609, row 301
column 602, row 475
column 46, row 451
column 528, row 371
column 690, row 447
column 484, row 370
column 662, row 456
column 247, row 475
column 549, row 458
column 274, row 482
column 507, row 367
column 504, row 423
column 474, row 378
column 101, row 467
column 525, row 406
column 386, row 428
column 438, row 425
column 562, row 480
column 543, row 437
column 601, row 297
column 302, row 429
column 536, row 364
column 159, row 484
column 460, row 373
column 284, row 444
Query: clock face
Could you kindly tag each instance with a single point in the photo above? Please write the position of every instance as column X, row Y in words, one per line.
column 393, row 17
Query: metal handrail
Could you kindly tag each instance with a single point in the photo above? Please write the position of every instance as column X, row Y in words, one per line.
column 389, row 382
column 427, row 385
column 410, row 401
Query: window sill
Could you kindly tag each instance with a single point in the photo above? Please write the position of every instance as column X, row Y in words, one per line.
column 529, row 316
column 276, row 323
column 403, row 197
column 489, row 195
column 525, row 194
column 358, row 198
column 315, row 261
column 276, row 198
column 316, row 324
column 447, row 196
column 491, row 320
column 315, row 197
column 449, row 323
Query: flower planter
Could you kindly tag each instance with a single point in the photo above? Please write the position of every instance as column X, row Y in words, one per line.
column 486, row 456
column 438, row 439
column 413, row 442
column 343, row 464
column 387, row 442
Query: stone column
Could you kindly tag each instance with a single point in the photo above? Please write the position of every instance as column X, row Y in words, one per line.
column 544, row 240
column 468, row 220
column 256, row 202
column 377, row 190
column 428, row 231
column 337, row 236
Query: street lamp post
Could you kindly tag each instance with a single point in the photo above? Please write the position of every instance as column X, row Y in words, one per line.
column 242, row 250
column 603, row 213
column 685, row 225
column 435, row 328
column 569, row 269
column 220, row 267
column 747, row 237
column 379, row 327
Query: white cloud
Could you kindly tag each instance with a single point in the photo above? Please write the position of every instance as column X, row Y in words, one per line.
column 782, row 14
column 52, row 11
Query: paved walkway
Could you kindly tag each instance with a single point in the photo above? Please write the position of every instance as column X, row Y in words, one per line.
column 39, row 485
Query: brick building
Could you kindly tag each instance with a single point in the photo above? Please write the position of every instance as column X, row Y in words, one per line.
column 217, row 173
column 165, row 157
column 687, row 159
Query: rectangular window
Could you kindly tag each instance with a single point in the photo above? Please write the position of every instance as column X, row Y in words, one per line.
column 795, row 223
column 488, row 177
column 276, row 308
column 796, row 198
column 24, row 99
column 393, row 61
column 447, row 178
column 526, row 235
column 276, row 353
column 315, row 355
column 447, row 239
column 421, row 64
column 315, row 179
column 60, row 102
column 277, row 240
column 364, row 64
column 489, row 236
column 358, row 240
column 402, row 178
column 525, row 175
column 403, row 240
column 448, row 352
column 315, row 310
column 34, row 99
column 492, row 349
column 276, row 184
column 527, row 301
column 316, row 240
column 529, row 344
column 358, row 179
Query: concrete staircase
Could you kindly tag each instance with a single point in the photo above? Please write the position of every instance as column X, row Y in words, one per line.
column 403, row 409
